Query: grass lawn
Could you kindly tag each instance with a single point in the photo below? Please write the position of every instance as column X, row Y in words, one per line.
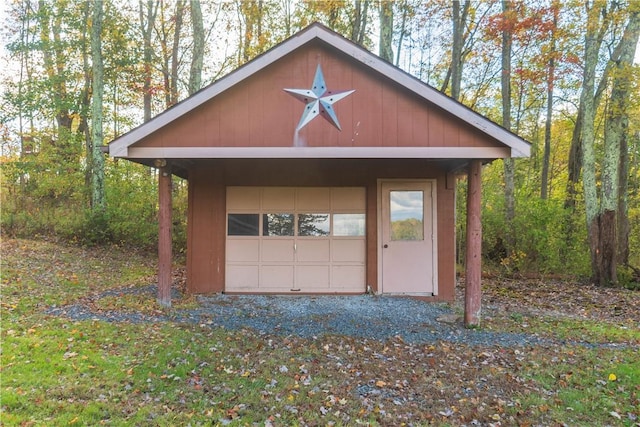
column 55, row 371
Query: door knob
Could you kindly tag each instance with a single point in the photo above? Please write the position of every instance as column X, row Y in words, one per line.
column 385, row 246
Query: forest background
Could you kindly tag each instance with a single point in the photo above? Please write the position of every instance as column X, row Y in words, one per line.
column 561, row 74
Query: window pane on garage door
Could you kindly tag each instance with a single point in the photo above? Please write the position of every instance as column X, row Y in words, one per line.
column 274, row 224
column 243, row 224
column 313, row 224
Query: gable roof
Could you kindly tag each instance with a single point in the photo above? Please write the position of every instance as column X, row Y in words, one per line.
column 518, row 147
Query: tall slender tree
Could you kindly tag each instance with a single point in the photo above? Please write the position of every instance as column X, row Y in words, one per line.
column 175, row 51
column 360, row 21
column 97, row 161
column 147, row 12
column 614, row 208
column 544, row 179
column 168, row 33
column 25, row 114
column 251, row 14
column 386, row 30
column 459, row 20
column 505, row 80
column 197, row 27
column 85, row 99
column 54, row 62
column 587, row 135
column 406, row 15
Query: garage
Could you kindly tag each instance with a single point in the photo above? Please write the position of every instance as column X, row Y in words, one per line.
column 318, row 168
column 295, row 239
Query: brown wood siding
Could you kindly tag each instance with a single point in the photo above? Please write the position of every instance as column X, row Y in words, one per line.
column 207, row 212
column 258, row 113
column 206, row 232
column 446, row 240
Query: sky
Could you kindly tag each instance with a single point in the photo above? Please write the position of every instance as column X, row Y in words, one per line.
column 6, row 65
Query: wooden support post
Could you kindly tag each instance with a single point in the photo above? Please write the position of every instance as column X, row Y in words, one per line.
column 164, row 236
column 473, row 292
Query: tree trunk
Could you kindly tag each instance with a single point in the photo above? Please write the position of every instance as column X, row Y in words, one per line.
column 165, row 52
column 97, row 162
column 624, row 226
column 386, row 30
column 574, row 164
column 462, row 44
column 509, row 164
column 147, row 20
column 175, row 50
column 459, row 20
column 544, row 184
column 86, row 96
column 357, row 17
column 246, row 10
column 287, row 18
column 195, row 74
column 615, row 133
column 54, row 61
column 259, row 25
column 359, row 27
column 401, row 33
column 587, row 135
column 575, row 151
column 26, row 141
column 252, row 40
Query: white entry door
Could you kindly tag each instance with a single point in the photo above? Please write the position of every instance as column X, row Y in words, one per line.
column 407, row 244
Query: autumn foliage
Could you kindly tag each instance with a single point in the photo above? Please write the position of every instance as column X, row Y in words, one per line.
column 157, row 53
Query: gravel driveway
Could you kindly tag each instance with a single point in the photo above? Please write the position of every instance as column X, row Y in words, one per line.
column 362, row 316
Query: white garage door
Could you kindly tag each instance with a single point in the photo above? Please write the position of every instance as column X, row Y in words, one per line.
column 286, row 239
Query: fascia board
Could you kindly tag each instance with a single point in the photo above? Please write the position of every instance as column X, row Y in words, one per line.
column 318, row 152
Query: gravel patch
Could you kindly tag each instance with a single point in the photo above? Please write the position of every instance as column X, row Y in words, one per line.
column 361, row 316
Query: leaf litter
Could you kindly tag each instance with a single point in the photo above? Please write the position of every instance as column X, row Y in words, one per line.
column 346, row 375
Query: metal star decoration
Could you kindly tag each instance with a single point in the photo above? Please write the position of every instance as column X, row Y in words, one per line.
column 319, row 101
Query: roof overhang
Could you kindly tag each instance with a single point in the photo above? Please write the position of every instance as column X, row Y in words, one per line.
column 318, row 153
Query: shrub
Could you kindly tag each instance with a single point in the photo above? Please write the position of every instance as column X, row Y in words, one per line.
column 33, row 204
